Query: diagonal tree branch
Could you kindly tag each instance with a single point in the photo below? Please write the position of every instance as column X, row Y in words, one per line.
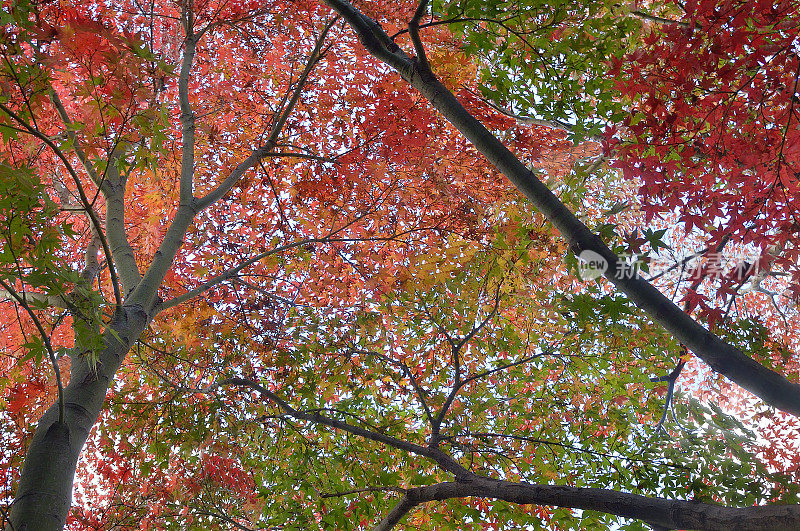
column 272, row 140
column 398, row 512
column 659, row 512
column 442, row 459
column 232, row 273
column 56, row 301
column 87, row 205
column 76, row 145
column 189, row 206
column 657, row 19
column 531, row 120
column 773, row 388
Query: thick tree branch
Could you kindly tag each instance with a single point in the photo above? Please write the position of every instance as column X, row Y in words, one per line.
column 660, row 512
column 413, row 32
column 232, row 273
column 398, row 512
column 45, row 487
column 187, row 116
column 87, row 205
column 91, row 266
column 121, row 250
column 372, row 36
column 722, row 357
column 146, row 291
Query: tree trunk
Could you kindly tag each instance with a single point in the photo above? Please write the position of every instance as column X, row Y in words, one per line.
column 44, row 494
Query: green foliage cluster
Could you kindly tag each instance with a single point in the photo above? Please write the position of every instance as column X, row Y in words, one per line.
column 547, row 60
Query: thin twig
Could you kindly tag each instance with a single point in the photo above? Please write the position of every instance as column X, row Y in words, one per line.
column 21, row 299
column 84, row 199
column 361, row 491
column 657, row 19
column 414, row 383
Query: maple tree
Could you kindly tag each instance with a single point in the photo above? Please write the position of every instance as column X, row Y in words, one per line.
column 253, row 279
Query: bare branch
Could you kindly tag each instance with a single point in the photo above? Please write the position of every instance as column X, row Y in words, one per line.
column 414, row 383
column 121, row 250
column 360, row 491
column 503, row 367
column 187, row 116
column 76, row 145
column 548, row 443
column 445, row 461
column 398, row 512
column 540, row 122
column 657, row 19
column 232, row 273
column 55, row 301
column 489, row 317
column 413, row 32
column 457, row 382
column 671, row 378
column 222, row 517
column 307, row 156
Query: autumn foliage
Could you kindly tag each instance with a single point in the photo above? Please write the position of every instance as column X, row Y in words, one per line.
column 270, row 285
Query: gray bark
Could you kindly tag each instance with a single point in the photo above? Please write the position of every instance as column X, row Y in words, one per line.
column 44, row 494
column 773, row 388
column 658, row 512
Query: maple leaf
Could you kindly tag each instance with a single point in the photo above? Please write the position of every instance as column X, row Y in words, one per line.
column 292, row 286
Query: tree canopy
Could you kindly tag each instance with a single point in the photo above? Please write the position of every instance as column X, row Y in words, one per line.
column 425, row 265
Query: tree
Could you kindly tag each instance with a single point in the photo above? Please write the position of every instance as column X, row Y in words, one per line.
column 302, row 295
